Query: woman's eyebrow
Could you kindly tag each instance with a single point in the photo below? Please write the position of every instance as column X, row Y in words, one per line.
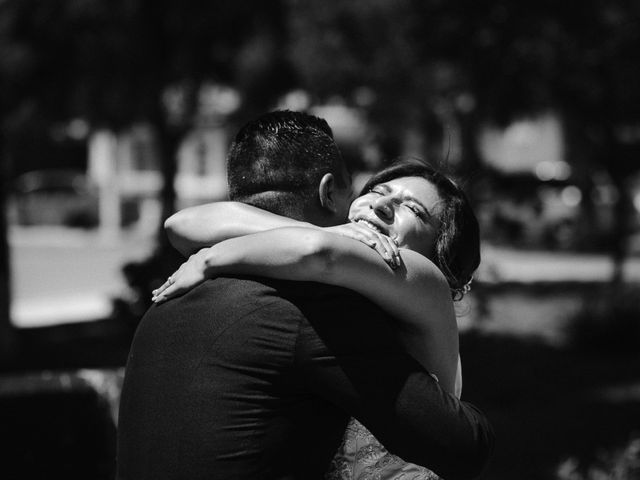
column 383, row 186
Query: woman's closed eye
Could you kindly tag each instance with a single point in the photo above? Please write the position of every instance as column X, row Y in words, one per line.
column 417, row 211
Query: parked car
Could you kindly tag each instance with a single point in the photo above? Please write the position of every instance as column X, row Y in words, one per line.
column 55, row 197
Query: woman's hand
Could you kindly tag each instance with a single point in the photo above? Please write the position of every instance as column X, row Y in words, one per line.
column 386, row 247
column 190, row 274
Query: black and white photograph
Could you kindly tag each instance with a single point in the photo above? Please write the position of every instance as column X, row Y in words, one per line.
column 320, row 239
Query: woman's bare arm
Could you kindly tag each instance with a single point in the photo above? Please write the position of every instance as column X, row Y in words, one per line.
column 201, row 226
column 194, row 228
column 416, row 293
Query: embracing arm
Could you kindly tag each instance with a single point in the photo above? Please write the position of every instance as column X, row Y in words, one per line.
column 359, row 368
column 201, row 226
column 416, row 293
column 408, row 412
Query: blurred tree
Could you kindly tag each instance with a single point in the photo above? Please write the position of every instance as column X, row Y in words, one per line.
column 434, row 71
column 393, row 58
column 115, row 63
column 169, row 51
column 578, row 59
column 15, row 65
column 7, row 335
column 427, row 72
column 146, row 61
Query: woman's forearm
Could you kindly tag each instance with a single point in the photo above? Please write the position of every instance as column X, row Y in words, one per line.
column 297, row 253
column 293, row 253
column 201, row 226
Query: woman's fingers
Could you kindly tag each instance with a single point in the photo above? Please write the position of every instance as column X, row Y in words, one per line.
column 386, row 247
column 165, row 290
column 174, row 289
column 189, row 275
column 356, row 232
column 169, row 288
column 163, row 287
column 388, row 250
column 395, row 252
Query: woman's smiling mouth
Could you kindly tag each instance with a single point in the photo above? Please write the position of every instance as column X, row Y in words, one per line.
column 369, row 224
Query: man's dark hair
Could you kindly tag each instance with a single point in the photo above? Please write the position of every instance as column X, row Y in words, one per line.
column 276, row 161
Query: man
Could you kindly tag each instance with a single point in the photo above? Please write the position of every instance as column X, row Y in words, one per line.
column 249, row 378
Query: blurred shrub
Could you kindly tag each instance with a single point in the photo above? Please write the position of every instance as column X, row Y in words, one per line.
column 620, row 464
column 55, row 427
column 142, row 277
column 609, row 320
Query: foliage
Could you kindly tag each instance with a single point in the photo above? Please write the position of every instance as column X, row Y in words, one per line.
column 143, row 277
column 608, row 320
column 428, row 70
column 502, row 59
column 111, row 61
column 620, row 464
column 411, row 64
column 117, row 62
column 394, row 59
column 515, row 58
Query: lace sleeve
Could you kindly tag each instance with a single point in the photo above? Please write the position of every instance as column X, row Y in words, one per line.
column 362, row 457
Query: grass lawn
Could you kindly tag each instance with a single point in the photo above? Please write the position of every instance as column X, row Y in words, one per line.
column 547, row 402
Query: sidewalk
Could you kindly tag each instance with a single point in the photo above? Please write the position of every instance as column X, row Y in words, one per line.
column 67, row 276
column 500, row 264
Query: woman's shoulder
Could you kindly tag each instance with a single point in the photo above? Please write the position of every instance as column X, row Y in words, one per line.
column 424, row 274
column 418, row 261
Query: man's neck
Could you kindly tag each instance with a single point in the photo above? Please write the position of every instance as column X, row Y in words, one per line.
column 322, row 219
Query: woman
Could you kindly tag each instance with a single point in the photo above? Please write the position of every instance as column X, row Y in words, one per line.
column 409, row 214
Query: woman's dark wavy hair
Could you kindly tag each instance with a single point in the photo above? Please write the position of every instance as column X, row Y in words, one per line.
column 457, row 249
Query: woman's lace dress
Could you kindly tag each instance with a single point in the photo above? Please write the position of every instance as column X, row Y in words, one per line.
column 362, row 457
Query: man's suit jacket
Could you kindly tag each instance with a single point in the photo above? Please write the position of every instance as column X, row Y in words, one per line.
column 246, row 378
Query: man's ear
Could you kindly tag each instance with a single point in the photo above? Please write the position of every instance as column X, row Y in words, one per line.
column 327, row 192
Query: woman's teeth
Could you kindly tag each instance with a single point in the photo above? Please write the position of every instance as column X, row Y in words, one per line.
column 369, row 224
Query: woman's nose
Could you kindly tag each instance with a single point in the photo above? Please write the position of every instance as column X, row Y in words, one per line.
column 383, row 208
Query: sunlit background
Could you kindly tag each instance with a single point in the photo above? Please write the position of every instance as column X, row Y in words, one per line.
column 116, row 113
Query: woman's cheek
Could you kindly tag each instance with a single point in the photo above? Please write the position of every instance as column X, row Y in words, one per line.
column 355, row 207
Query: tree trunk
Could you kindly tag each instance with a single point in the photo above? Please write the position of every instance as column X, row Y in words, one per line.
column 620, row 238
column 168, row 142
column 170, row 135
column 615, row 166
column 7, row 333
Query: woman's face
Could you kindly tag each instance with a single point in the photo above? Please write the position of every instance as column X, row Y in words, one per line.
column 406, row 209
